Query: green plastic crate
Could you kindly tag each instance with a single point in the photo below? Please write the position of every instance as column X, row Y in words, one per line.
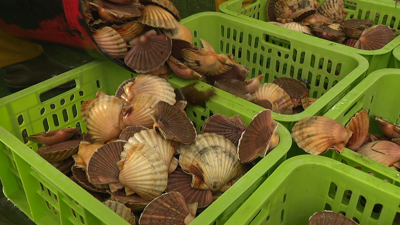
column 396, row 57
column 306, row 184
column 332, row 73
column 382, row 11
column 46, row 195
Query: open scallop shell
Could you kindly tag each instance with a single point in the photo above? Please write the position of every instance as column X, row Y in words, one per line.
column 230, row 128
column 254, row 83
column 130, row 30
column 206, row 62
column 158, row 17
column 294, row 88
column 280, row 100
column 260, row 137
column 177, row 46
column 130, row 131
column 60, row 151
column 297, row 27
column 388, row 128
column 148, row 52
column 181, row 182
column 375, row 38
column 181, row 33
column 111, row 42
column 384, row 152
column 166, row 4
column 317, row 134
column 81, row 179
column 334, row 10
column 173, row 124
column 212, row 160
column 121, row 210
column 330, row 217
column 169, row 208
column 359, row 125
column 134, row 202
column 120, row 91
column 182, row 70
column 143, row 171
column 139, row 113
column 54, row 137
column 85, row 152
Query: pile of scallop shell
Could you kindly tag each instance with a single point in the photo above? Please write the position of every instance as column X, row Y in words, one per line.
column 318, row 134
column 326, row 21
column 143, row 158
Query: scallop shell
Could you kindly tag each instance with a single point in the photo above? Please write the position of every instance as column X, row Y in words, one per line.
column 375, row 38
column 104, row 119
column 120, row 91
column 271, row 10
column 65, row 165
column 334, row 10
column 295, row 89
column 139, row 113
column 265, row 103
column 60, row 151
column 316, row 19
column 173, row 124
column 280, row 100
column 221, row 125
column 253, row 84
column 54, row 137
column 134, row 202
column 166, row 4
column 165, row 148
column 162, row 72
column 297, row 27
column 330, row 217
column 130, row 131
column 193, row 96
column 116, row 12
column 158, row 17
column 181, row 182
column 235, row 87
column 212, row 160
column 130, row 30
column 359, row 125
column 206, row 62
column 384, row 152
column 351, row 42
column 181, row 33
column 111, row 42
column 388, row 128
column 327, row 33
column 182, row 70
column 317, row 134
column 290, row 9
column 306, row 102
column 148, row 52
column 85, row 152
column 169, row 208
column 121, row 210
column 256, row 140
column 80, row 178
column 237, row 72
column 144, row 171
column 177, row 46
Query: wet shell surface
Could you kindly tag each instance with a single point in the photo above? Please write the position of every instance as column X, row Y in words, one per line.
column 384, row 152
column 169, row 208
column 181, row 33
column 351, row 42
column 121, row 210
column 388, row 128
column 212, row 160
column 85, row 152
column 166, row 4
column 334, row 10
column 177, row 46
column 359, row 125
column 297, row 27
column 174, row 124
column 280, row 100
column 134, row 202
column 148, row 52
column 158, row 17
column 330, row 217
column 139, row 113
column 260, row 137
column 129, row 131
column 60, row 151
column 116, row 12
column 80, row 178
column 120, row 91
column 375, row 38
column 306, row 102
column 295, row 89
column 231, row 128
column 54, row 137
column 317, row 134
column 206, row 62
column 182, row 70
column 290, row 9
column 111, row 42
column 130, row 30
column 143, row 171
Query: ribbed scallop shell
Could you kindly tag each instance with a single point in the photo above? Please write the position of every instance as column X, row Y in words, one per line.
column 297, row 27
column 169, row 208
column 256, row 140
column 306, row 102
column 294, row 88
column 60, row 151
column 144, row 171
column 148, row 52
column 334, row 10
column 134, row 202
column 104, row 119
column 81, row 179
column 139, row 114
column 351, row 42
column 317, row 134
column 165, row 148
column 85, row 152
column 277, row 96
column 111, row 42
column 227, row 127
column 166, row 4
column 290, row 9
column 330, row 217
column 174, row 124
column 388, row 128
column 212, row 160
column 158, row 17
column 375, row 38
column 54, row 137
column 177, row 46
column 120, row 91
column 130, row 131
column 181, row 182
column 121, row 210
column 181, row 33
column 384, row 152
column 206, row 62
column 130, row 30
column 359, row 125
column 116, row 12
column 182, row 70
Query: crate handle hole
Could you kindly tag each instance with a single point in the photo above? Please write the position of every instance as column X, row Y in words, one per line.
column 59, row 90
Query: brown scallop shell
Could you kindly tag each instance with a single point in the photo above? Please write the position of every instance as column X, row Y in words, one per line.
column 81, row 179
column 54, row 136
column 60, row 151
column 317, row 134
column 166, row 4
column 256, row 140
column 111, row 42
column 129, row 131
column 271, row 10
column 116, row 12
column 169, row 208
column 177, row 46
column 65, row 165
column 359, row 125
column 297, row 27
column 193, row 96
column 330, row 217
column 280, row 100
column 155, row 16
column 85, row 152
column 375, row 38
column 388, row 128
column 265, row 103
column 328, row 33
column 182, row 70
column 306, row 102
column 139, row 113
column 181, row 182
column 121, row 210
column 295, row 89
column 290, row 9
column 384, row 152
column 181, row 33
column 334, row 10
column 235, row 87
column 224, row 126
column 206, row 62
column 351, row 42
column 134, row 202
column 130, row 30
column 317, row 19
column 120, row 91
column 237, row 72
column 254, row 83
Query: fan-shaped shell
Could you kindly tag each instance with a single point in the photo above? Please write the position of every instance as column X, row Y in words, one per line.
column 169, row 208
column 177, row 46
column 330, row 217
column 148, row 52
column 317, row 134
column 206, row 62
column 375, row 38
column 158, row 17
column 388, row 128
column 297, row 27
column 54, row 137
column 277, row 96
column 290, row 9
column 80, row 178
column 384, row 152
column 116, row 12
column 351, row 42
column 359, row 125
column 144, row 171
column 130, row 30
column 60, row 151
column 65, row 165
column 166, row 4
column 334, row 10
column 111, row 42
column 174, row 124
column 85, row 152
column 257, row 140
column 130, row 131
column 120, row 91
column 212, row 160
column 121, row 210
column 294, row 88
column 229, row 128
column 181, row 33
column 139, row 113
